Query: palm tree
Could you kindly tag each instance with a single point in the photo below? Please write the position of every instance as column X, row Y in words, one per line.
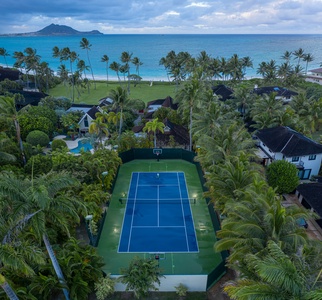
column 308, row 57
column 85, row 44
column 230, row 139
column 275, row 275
column 98, row 127
column 299, row 54
column 121, row 101
column 229, row 180
column 287, row 56
column 154, row 126
column 126, row 58
column 137, row 62
column 4, row 53
column 32, row 61
column 8, row 111
column 266, row 110
column 115, row 66
column 257, row 218
column 188, row 96
column 44, row 193
column 105, row 59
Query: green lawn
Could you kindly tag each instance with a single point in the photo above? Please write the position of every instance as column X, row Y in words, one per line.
column 143, row 91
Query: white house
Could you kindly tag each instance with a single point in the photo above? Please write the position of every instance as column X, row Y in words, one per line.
column 87, row 119
column 285, row 143
column 315, row 76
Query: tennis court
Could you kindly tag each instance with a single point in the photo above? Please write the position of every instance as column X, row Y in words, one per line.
column 158, row 216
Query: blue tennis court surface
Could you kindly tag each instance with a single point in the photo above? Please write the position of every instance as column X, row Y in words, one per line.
column 158, row 215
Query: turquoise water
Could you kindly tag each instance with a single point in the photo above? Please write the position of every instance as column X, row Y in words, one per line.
column 84, row 146
column 151, row 48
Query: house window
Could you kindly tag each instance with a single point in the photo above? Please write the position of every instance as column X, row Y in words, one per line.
column 295, row 158
column 86, row 121
column 312, row 157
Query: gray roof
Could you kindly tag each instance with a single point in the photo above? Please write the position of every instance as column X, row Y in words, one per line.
column 289, row 142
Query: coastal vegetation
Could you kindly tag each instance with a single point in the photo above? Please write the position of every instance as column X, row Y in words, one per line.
column 44, row 195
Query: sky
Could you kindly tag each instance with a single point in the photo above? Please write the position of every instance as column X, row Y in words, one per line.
column 165, row 16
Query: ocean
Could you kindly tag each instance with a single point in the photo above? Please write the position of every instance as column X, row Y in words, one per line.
column 151, row 48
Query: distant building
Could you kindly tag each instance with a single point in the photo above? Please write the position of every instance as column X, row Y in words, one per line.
column 314, row 76
column 284, row 143
column 309, row 195
column 223, row 92
column 281, row 93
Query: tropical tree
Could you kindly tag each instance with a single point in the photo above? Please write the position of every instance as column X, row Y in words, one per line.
column 228, row 180
column 287, row 56
column 85, row 44
column 137, row 63
column 121, row 101
column 99, row 127
column 4, row 53
column 8, row 112
column 230, row 139
column 256, row 219
column 126, row 58
column 154, row 126
column 105, row 59
column 44, row 194
column 115, row 66
column 266, row 110
column 283, row 176
column 188, row 97
column 141, row 276
column 275, row 275
column 299, row 54
column 308, row 57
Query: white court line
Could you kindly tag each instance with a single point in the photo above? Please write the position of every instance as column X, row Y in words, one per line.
column 163, row 226
column 136, row 190
column 184, row 221
column 158, row 206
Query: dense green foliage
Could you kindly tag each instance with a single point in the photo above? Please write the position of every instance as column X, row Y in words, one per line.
column 282, row 175
column 141, row 276
column 37, row 137
column 58, row 144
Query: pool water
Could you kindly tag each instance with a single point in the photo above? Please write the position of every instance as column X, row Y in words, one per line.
column 85, row 146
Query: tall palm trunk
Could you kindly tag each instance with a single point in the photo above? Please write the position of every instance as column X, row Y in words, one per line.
column 190, row 130
column 7, row 288
column 56, row 266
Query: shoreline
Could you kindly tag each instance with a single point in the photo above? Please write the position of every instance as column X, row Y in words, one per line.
column 151, row 79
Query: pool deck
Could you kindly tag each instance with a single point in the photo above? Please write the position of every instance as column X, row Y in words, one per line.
column 70, row 144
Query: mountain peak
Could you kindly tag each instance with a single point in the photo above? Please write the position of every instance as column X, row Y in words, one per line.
column 57, row 30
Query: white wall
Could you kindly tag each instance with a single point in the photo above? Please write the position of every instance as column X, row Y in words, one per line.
column 194, row 283
column 314, row 165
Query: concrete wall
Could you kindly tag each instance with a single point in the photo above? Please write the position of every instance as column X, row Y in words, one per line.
column 194, row 283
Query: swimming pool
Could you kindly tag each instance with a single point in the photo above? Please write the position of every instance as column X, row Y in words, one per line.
column 85, row 146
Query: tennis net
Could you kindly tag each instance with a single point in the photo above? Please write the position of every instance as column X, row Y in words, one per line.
column 157, row 201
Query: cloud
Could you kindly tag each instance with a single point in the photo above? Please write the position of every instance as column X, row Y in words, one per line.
column 167, row 16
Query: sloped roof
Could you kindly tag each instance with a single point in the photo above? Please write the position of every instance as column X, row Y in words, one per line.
column 92, row 112
column 280, row 91
column 10, row 74
column 223, row 91
column 31, row 98
column 312, row 192
column 166, row 102
column 318, row 70
column 287, row 141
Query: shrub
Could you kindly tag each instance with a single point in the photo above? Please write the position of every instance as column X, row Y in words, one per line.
column 181, row 290
column 58, row 144
column 39, row 164
column 37, row 137
column 104, row 287
column 283, row 176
